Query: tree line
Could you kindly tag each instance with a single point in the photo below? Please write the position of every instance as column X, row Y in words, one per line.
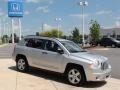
column 75, row 36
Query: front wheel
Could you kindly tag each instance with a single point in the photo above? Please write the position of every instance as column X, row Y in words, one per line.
column 75, row 76
column 22, row 64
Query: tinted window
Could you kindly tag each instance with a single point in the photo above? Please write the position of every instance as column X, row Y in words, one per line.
column 105, row 39
column 29, row 42
column 110, row 40
column 35, row 43
column 39, row 43
column 52, row 46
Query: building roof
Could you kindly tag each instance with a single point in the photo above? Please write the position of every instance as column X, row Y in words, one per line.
column 109, row 31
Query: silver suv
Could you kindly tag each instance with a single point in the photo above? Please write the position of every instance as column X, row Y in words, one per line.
column 62, row 56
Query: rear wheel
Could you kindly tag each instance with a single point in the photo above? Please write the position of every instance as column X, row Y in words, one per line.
column 22, row 64
column 104, row 45
column 113, row 45
column 75, row 76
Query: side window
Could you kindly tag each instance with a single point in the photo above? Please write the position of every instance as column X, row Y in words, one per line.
column 35, row 43
column 42, row 44
column 52, row 46
column 39, row 44
column 29, row 42
column 105, row 40
column 109, row 40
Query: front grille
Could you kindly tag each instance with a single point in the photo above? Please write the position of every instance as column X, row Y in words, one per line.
column 104, row 65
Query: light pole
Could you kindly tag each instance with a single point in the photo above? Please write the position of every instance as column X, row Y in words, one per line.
column 20, row 29
column 0, row 28
column 43, row 26
column 83, row 3
column 58, row 20
column 12, row 21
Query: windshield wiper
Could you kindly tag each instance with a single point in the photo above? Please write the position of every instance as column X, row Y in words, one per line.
column 83, row 51
column 74, row 51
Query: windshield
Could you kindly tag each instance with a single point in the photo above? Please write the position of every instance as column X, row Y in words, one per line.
column 72, row 47
column 115, row 40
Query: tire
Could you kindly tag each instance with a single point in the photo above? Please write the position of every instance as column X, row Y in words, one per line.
column 22, row 64
column 75, row 76
column 113, row 45
column 104, row 45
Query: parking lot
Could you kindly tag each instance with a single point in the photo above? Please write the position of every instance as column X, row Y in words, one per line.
column 10, row 79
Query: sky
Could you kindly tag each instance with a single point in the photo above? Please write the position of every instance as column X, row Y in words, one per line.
column 37, row 12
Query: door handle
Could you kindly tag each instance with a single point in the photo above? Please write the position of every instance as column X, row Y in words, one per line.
column 44, row 53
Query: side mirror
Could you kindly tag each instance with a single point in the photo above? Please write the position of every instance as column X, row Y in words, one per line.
column 60, row 51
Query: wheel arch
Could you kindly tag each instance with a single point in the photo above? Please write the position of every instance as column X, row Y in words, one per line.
column 69, row 65
column 21, row 56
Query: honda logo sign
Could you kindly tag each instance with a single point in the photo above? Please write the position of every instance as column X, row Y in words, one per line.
column 15, row 8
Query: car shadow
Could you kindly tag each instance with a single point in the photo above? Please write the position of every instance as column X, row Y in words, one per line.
column 58, row 77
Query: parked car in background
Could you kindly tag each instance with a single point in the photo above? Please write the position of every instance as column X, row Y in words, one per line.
column 94, row 43
column 109, row 41
column 62, row 56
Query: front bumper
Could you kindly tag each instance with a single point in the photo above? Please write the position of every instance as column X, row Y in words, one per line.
column 96, row 76
column 102, row 76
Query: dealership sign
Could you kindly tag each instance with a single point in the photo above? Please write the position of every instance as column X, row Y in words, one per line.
column 15, row 8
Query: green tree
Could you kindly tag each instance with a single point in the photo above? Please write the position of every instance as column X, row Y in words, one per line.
column 46, row 34
column 55, row 33
column 95, row 31
column 64, row 37
column 15, row 35
column 16, row 38
column 52, row 33
column 37, row 33
column 5, row 39
column 76, row 35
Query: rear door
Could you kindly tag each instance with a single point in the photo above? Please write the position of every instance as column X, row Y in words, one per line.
column 34, row 50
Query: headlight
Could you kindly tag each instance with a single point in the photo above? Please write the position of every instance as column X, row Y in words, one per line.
column 95, row 64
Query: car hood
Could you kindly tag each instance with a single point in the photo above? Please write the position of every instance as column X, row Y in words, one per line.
column 89, row 56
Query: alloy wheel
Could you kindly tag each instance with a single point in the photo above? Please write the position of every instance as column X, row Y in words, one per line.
column 21, row 64
column 74, row 76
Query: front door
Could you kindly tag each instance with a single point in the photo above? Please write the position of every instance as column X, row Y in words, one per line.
column 52, row 60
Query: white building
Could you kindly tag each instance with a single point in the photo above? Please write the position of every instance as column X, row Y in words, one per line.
column 110, row 31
